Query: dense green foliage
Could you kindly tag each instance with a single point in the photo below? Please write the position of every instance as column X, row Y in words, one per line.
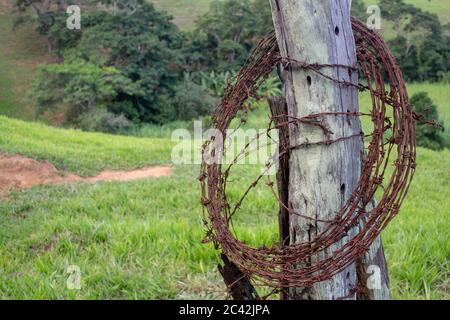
column 225, row 35
column 428, row 136
column 420, row 45
column 192, row 100
column 359, row 9
column 150, row 56
column 143, row 47
column 130, row 66
column 84, row 153
column 82, row 85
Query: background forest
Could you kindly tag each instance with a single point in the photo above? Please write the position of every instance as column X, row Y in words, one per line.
column 121, row 72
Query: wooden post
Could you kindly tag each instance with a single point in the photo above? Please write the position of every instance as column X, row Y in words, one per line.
column 321, row 177
column 239, row 286
column 278, row 108
column 373, row 264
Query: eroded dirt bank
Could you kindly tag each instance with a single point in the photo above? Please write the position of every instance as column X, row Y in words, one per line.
column 19, row 172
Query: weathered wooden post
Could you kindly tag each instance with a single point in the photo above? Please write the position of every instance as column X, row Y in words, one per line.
column 321, row 177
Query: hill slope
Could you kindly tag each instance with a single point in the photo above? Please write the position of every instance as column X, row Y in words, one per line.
column 142, row 239
column 186, row 11
column 21, row 50
column 80, row 152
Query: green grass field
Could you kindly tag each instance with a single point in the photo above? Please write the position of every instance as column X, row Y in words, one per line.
column 142, row 239
column 80, row 152
column 438, row 92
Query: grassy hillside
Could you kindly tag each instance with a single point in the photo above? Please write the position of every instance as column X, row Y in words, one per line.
column 142, row 239
column 80, row 152
column 439, row 7
column 21, row 51
column 186, row 11
column 438, row 92
column 95, row 152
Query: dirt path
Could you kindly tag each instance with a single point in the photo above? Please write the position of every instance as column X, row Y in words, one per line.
column 5, row 6
column 19, row 172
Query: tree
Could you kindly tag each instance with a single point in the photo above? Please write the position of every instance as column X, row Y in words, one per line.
column 226, row 34
column 428, row 136
column 309, row 31
column 46, row 13
column 192, row 100
column 143, row 47
column 420, row 45
column 359, row 9
column 77, row 84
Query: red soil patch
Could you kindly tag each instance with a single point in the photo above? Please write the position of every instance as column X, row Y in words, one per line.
column 5, row 6
column 19, row 172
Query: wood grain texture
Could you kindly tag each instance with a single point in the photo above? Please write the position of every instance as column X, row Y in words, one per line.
column 278, row 108
column 238, row 284
column 321, row 177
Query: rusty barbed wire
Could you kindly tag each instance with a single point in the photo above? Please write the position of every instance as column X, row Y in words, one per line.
column 281, row 266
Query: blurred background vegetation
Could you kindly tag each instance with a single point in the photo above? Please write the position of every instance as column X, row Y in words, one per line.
column 121, row 73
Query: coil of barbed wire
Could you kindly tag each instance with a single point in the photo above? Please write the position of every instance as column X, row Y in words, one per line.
column 393, row 137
